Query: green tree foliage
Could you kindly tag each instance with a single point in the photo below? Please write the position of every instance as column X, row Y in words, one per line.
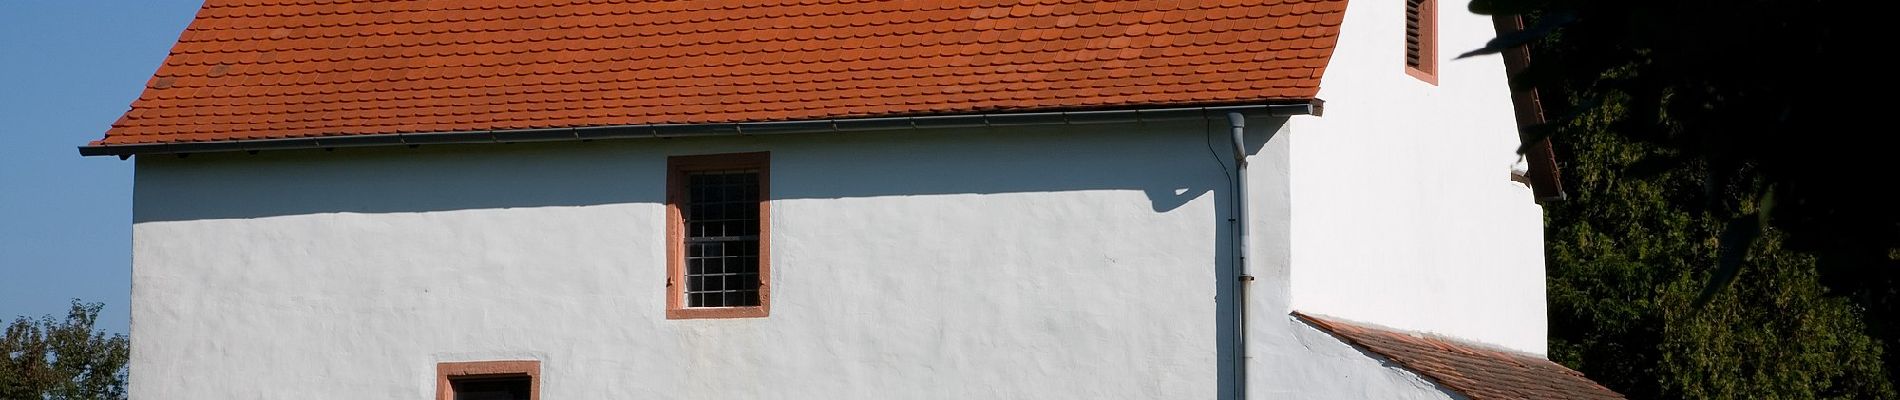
column 62, row 359
column 1627, row 259
column 1770, row 92
column 1712, row 145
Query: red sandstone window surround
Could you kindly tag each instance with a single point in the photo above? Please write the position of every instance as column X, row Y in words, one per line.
column 718, row 222
column 1421, row 40
column 512, row 379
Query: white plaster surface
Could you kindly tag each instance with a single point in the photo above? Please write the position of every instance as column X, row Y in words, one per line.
column 1024, row 263
column 1063, row 263
column 1288, row 359
column 1405, row 212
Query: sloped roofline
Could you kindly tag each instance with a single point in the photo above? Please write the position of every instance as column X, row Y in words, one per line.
column 565, row 134
column 1476, row 371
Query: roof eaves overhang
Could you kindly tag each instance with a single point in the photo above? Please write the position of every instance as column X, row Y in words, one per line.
column 980, row 120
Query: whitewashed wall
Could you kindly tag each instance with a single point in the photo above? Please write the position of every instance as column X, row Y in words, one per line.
column 1286, row 358
column 1024, row 263
column 1046, row 263
column 1405, row 213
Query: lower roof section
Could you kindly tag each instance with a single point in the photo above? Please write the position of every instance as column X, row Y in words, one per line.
column 1474, row 371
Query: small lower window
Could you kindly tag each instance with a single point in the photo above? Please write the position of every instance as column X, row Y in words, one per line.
column 505, row 388
column 717, row 218
column 488, row 380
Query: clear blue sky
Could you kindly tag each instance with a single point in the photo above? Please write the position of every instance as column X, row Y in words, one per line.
column 68, row 68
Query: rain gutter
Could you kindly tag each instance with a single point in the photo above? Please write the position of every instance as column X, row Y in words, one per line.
column 1302, row 107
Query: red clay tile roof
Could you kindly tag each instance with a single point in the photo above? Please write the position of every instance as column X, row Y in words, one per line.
column 1476, row 372
column 261, row 69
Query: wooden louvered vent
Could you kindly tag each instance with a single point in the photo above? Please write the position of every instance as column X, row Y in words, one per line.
column 1414, row 32
column 1421, row 39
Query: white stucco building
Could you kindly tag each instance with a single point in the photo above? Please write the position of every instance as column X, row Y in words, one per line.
column 833, row 199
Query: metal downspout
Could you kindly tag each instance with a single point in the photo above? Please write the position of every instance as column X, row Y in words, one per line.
column 1241, row 278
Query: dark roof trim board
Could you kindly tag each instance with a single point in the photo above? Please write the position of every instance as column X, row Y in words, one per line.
column 1545, row 180
column 1477, row 372
column 1086, row 117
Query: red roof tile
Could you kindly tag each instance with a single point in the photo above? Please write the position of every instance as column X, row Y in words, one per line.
column 1474, row 371
column 259, row 69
